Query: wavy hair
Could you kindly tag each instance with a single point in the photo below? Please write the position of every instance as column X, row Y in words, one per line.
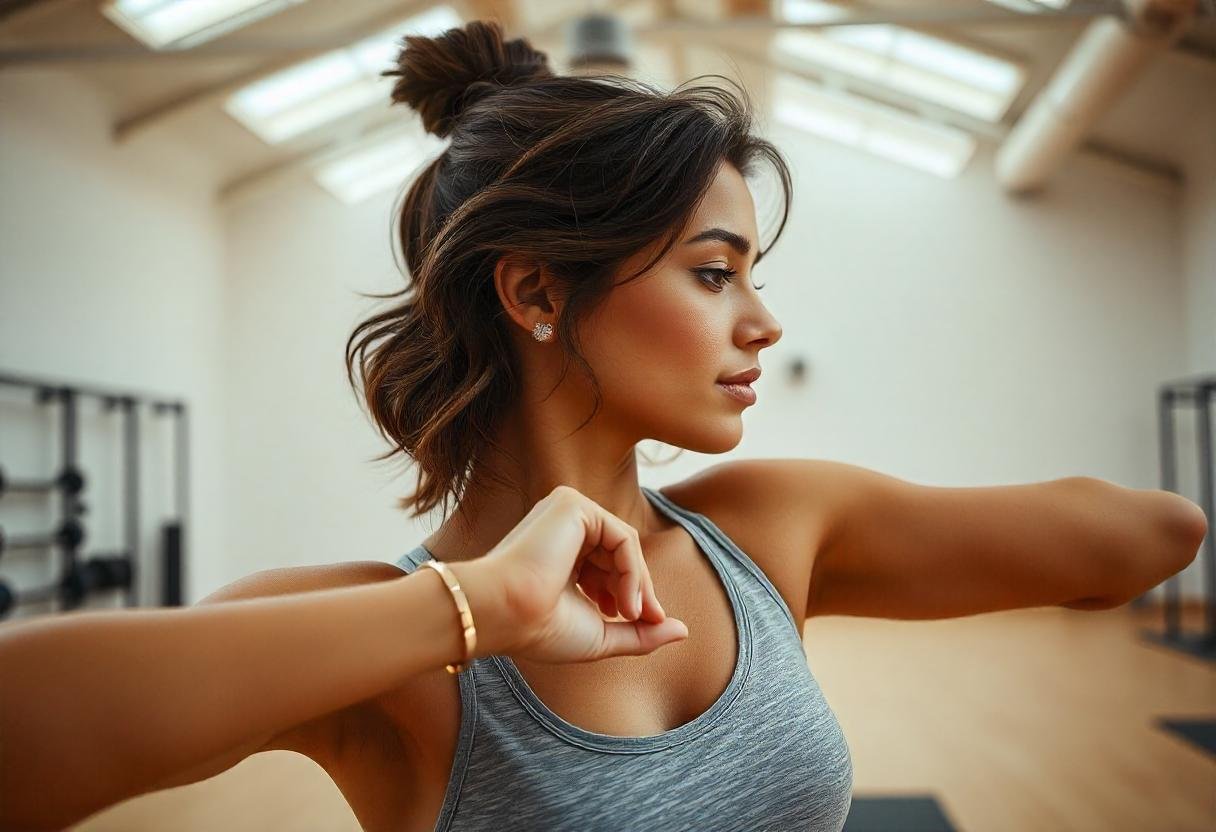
column 576, row 173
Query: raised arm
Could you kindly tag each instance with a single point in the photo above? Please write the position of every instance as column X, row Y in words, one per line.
column 115, row 701
column 877, row 546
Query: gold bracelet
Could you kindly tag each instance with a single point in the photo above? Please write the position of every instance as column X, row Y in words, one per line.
column 466, row 615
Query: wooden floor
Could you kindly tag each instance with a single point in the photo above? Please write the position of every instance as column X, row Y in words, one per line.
column 1027, row 720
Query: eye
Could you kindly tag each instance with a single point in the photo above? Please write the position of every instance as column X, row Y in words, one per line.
column 726, row 275
column 723, row 274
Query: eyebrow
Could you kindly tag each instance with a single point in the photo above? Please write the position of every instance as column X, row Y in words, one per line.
column 736, row 241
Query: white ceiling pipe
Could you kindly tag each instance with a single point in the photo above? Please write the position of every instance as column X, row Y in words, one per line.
column 1105, row 61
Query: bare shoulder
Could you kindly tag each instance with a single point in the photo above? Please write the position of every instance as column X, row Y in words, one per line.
column 776, row 510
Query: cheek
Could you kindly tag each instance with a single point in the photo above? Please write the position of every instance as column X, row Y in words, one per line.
column 683, row 341
column 659, row 334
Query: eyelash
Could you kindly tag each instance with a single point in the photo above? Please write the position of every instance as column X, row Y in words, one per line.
column 726, row 274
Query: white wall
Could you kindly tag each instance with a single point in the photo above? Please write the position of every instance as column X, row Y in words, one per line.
column 1199, row 234
column 303, row 489
column 110, row 274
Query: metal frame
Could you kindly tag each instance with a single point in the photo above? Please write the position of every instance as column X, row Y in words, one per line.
column 1196, row 391
column 71, row 507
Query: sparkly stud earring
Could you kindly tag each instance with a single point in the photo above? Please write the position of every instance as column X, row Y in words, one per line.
column 542, row 331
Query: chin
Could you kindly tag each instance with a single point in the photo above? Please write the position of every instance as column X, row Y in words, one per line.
column 711, row 436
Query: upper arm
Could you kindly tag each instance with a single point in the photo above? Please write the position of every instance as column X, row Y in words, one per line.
column 896, row 549
column 869, row 544
column 313, row 738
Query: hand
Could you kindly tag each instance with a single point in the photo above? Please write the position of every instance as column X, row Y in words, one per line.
column 565, row 544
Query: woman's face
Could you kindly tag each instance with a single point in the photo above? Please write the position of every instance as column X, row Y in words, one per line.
column 659, row 344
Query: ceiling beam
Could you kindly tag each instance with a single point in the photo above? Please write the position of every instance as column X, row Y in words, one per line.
column 323, row 148
column 298, row 160
column 126, row 128
column 868, row 89
column 947, row 14
column 1155, row 169
column 132, row 125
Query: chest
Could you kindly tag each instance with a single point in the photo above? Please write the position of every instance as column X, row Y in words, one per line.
column 411, row 734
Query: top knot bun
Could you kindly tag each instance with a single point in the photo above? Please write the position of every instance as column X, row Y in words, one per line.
column 441, row 77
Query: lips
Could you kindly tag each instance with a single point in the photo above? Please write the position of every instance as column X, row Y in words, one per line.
column 745, row 377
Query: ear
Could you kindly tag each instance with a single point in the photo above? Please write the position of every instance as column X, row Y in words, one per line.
column 527, row 291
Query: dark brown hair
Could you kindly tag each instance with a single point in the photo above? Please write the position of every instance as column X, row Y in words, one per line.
column 576, row 173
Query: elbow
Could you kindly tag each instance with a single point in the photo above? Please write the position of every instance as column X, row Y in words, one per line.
column 1187, row 530
column 1183, row 527
column 1193, row 525
column 1148, row 536
column 1178, row 529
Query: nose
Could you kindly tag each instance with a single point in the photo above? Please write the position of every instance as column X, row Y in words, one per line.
column 762, row 330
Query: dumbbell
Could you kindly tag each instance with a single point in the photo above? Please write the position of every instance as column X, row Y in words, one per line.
column 95, row 575
column 70, row 481
column 70, row 534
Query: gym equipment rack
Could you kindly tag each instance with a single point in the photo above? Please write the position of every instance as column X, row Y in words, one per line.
column 80, row 577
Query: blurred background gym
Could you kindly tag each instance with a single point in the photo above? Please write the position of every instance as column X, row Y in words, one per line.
column 1000, row 268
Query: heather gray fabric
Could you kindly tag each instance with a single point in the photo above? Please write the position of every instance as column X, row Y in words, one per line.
column 767, row 755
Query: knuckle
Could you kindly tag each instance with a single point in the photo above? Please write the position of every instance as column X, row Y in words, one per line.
column 563, row 490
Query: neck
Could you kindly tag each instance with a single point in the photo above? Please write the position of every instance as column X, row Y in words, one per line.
column 598, row 461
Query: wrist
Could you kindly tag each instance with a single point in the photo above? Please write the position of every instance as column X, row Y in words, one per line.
column 491, row 616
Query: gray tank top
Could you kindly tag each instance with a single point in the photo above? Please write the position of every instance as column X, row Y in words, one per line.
column 768, row 754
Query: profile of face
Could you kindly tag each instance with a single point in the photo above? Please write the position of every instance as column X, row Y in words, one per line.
column 659, row 344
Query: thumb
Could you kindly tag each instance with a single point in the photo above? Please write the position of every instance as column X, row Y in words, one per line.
column 637, row 638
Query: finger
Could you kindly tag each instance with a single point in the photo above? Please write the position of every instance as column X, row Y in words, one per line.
column 596, row 584
column 601, row 558
column 621, row 539
column 630, row 565
column 637, row 638
column 634, row 581
column 602, row 562
column 606, row 530
column 653, row 610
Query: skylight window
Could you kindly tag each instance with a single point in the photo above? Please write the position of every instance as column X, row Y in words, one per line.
column 373, row 166
column 920, row 65
column 178, row 24
column 321, row 90
column 873, row 127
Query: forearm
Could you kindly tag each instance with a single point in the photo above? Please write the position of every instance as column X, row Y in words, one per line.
column 111, row 702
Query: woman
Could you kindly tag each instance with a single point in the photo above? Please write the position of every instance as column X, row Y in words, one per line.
column 598, row 223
